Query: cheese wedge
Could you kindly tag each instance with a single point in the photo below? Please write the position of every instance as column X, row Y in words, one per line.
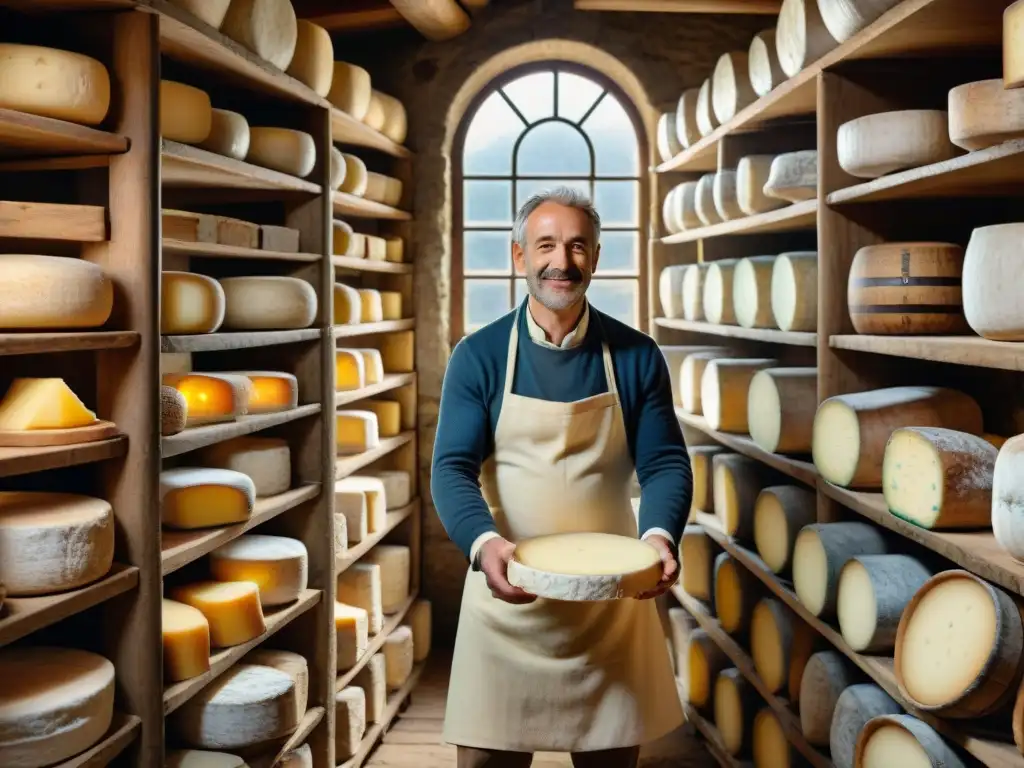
column 351, row 627
column 42, row 404
column 186, row 641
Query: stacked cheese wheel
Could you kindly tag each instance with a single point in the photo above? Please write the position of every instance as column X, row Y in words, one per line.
column 353, row 306
column 219, row 397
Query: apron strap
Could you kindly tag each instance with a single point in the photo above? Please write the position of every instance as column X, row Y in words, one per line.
column 606, row 354
column 513, row 349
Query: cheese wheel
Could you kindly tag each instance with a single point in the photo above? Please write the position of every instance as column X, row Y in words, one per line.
column 938, row 478
column 691, row 375
column 351, row 629
column 845, row 18
column 687, row 130
column 371, row 306
column 670, row 290
column 794, row 176
column 186, row 641
column 1013, row 29
column 693, row 291
column 398, row 352
column 396, row 121
column 781, row 403
column 856, row 705
column 395, row 563
column 228, row 136
column 208, row 11
column 53, row 83
column 737, row 482
column 266, row 460
column 902, row 740
column 801, row 37
column 51, row 292
column 685, row 205
column 292, row 664
column 584, row 566
column 282, row 149
column 210, row 397
column 350, row 721
column 826, row 675
column 983, row 114
column 851, row 431
column 736, row 704
column 201, row 758
column 752, row 174
column 794, row 291
column 356, row 176
column 1006, row 487
column 53, row 542
column 313, row 59
column 54, row 704
column 820, row 552
column 780, row 512
column 398, row 654
column 381, row 188
column 706, row 120
column 752, row 291
column 771, row 748
column 701, row 457
column 736, row 593
column 697, row 552
column 173, row 411
column 268, row 303
column 674, row 357
column 338, row 168
column 375, row 114
column 669, row 208
column 231, row 608
column 724, row 392
column 723, row 191
column 771, row 636
column 872, row 593
column 668, row 143
column 704, row 662
column 763, row 66
column 278, row 565
column 906, row 288
column 874, row 145
column 704, row 200
column 731, row 90
column 190, row 303
column 681, row 625
column 718, row 294
column 350, row 89
column 394, row 249
column 186, row 114
column 268, row 28
column 419, row 620
column 992, row 306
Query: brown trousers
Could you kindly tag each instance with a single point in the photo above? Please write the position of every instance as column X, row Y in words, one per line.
column 470, row 757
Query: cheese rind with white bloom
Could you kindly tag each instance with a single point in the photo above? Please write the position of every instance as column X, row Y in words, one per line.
column 282, row 149
column 706, row 120
column 718, row 294
column 1007, row 495
column 278, row 565
column 670, row 290
column 704, row 200
column 186, row 114
column 731, row 90
column 292, row 664
column 820, row 552
column 736, row 703
column 845, row 18
column 232, row 608
column 752, row 291
column 53, row 83
column 794, row 176
column 268, row 303
column 781, row 404
column 872, row 593
column 356, row 432
column 723, row 192
column 189, row 303
column 268, row 28
column 228, row 135
column 752, row 174
column 991, row 273
column 51, row 292
column 794, row 291
column 266, row 460
column 801, row 37
column 204, row 497
column 693, row 291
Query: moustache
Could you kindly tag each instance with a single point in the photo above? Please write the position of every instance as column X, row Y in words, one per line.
column 572, row 275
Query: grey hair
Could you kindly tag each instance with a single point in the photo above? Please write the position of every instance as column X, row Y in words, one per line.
column 562, row 195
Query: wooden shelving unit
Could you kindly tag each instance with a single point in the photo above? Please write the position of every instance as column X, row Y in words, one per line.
column 116, row 178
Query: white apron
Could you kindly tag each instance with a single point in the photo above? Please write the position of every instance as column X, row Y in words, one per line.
column 552, row 675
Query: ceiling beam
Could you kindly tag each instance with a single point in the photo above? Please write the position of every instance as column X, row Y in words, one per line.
column 434, row 19
column 682, row 6
column 355, row 21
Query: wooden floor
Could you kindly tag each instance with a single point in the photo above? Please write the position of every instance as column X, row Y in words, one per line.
column 414, row 740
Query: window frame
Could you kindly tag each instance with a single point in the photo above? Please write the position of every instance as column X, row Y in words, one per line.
column 457, row 278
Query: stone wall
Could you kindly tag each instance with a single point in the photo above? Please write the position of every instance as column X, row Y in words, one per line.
column 662, row 53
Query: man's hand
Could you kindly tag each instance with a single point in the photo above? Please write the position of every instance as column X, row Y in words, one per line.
column 494, row 556
column 670, row 567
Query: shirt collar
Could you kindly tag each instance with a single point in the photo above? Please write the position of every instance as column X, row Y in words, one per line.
column 572, row 339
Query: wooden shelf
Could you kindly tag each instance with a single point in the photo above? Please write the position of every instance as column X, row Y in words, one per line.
column 179, row 548
column 958, row 350
column 376, row 642
column 313, row 717
column 21, row 616
column 23, row 135
column 713, row 738
column 345, row 129
column 224, row 658
column 391, row 382
column 123, row 731
column 375, row 731
column 366, row 329
column 792, row 218
column 21, row 461
column 194, row 438
column 395, row 518
column 346, row 465
column 186, row 166
column 218, row 342
column 66, row 341
column 359, row 207
column 367, row 265
column 797, row 468
column 766, row 335
column 53, row 221
column 217, row 251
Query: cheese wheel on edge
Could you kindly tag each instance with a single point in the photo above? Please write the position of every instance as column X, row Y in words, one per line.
column 752, row 292
column 228, row 136
column 697, row 553
column 687, row 130
column 781, row 403
column 874, row 145
column 771, row 636
column 706, row 120
column 724, row 391
column 752, row 174
column 794, row 176
column 186, row 114
column 723, row 192
column 801, row 37
column 693, row 291
column 681, row 625
column 278, row 565
column 282, row 149
column 888, row 740
column 701, row 457
column 845, row 18
column 268, row 303
column 731, row 90
column 1007, row 482
column 984, row 113
column 670, row 290
column 674, row 358
column 704, row 200
column 268, row 28
column 718, row 295
column 737, row 591
column 826, row 675
column 356, row 176
column 872, row 593
column 186, row 641
column 856, row 705
column 313, row 60
column 738, row 481
column 764, row 69
column 396, row 121
column 52, row 292
column 704, row 661
column 350, row 89
column 736, row 704
column 685, row 205
column 691, row 376
column 794, row 291
column 668, row 142
column 820, row 552
column 780, row 512
column 53, row 83
column 992, row 305
column 770, row 747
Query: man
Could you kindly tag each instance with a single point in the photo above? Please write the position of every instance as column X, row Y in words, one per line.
column 544, row 415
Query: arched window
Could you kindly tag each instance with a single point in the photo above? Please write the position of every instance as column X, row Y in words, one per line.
column 533, row 129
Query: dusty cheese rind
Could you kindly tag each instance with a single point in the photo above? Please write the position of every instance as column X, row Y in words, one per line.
column 723, row 191
column 282, row 149
column 349, row 370
column 201, row 758
column 202, row 497
column 752, row 291
column 372, row 679
column 292, row 664
column 724, row 391
column 350, row 89
column 53, row 83
column 820, row 552
column 173, row 411
column 794, row 176
column 701, row 457
column 1008, row 497
column 736, row 702
column 186, row 641
column 246, row 705
column 360, row 585
column 398, row 657
column 348, row 305
column 268, row 28
column 419, row 621
column 356, row 432
column 350, row 721
column 687, row 130
column 674, row 357
column 54, row 704
column 363, row 501
column 681, row 624
column 752, row 173
column 771, row 635
column 697, row 552
column 190, row 303
column 770, row 747
column 856, row 705
column 779, row 513
column 794, row 291
column 845, row 18
column 351, row 629
column 397, row 487
column 704, row 200
column 763, row 63
column 801, row 37
column 266, row 460
column 398, row 352
column 693, row 291
column 781, row 403
column 371, row 308
column 313, row 60
column 706, row 120
column 278, row 565
column 395, row 562
column 584, row 566
column 268, row 303
column 186, row 114
column 32, row 403
column 668, row 141
column 717, row 296
column 51, row 292
column 210, row 397
column 228, row 135
column 704, row 661
column 991, row 270
column 872, row 593
column 903, row 740
column 851, row 431
column 826, row 675
column 737, row 482
column 736, row 593
column 356, row 176
column 874, row 145
column 984, row 113
column 281, row 239
column 939, row 478
column 731, row 90
column 670, row 290
column 232, row 609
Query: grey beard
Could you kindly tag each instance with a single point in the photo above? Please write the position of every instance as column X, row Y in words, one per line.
column 555, row 302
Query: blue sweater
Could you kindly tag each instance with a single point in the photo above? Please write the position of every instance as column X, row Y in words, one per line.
column 472, row 394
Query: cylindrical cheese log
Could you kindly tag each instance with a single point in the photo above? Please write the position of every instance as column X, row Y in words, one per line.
column 674, row 357
column 668, row 143
column 268, row 303
column 313, row 62
column 268, row 28
column 185, row 113
column 752, row 174
column 724, row 391
column 731, row 89
column 772, row 629
column 820, row 552
column 795, row 291
column 983, row 114
column 704, row 200
column 771, row 748
column 902, row 740
column 687, row 131
column 681, row 624
column 763, row 66
column 752, row 291
column 845, row 18
column 801, row 37
column 794, row 176
column 906, row 289
column 992, row 273
column 282, row 149
column 939, row 478
column 737, row 591
column 737, row 482
column 736, row 704
column 1013, row 33
column 53, row 83
column 668, row 212
column 826, row 675
column 851, row 431
column 1007, row 492
column 781, row 403
column 693, row 291
column 706, row 120
column 723, row 190
column 873, row 591
column 701, row 457
column 717, row 298
column 959, row 646
column 670, row 290
column 857, row 704
column 52, row 292
column 697, row 552
column 780, row 512
column 684, row 206
column 874, row 145
column 228, row 136
column 704, row 661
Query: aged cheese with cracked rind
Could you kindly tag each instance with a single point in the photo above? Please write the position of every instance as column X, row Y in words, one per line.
column 794, row 176
column 820, row 552
column 851, row 431
column 826, row 675
column 801, row 37
column 356, row 176
column 228, row 134
column 278, row 565
column 349, row 720
column 693, row 291
column 717, row 297
column 697, row 551
column 687, row 130
column 845, row 18
column 203, row 497
column 266, row 460
column 670, row 290
column 704, row 661
column 770, row 747
column 724, row 391
column 737, row 482
column 752, row 292
column 903, row 740
column 211, row 397
column 53, row 542
column 268, row 28
column 54, row 704
column 371, row 309
column 584, row 566
column 704, row 200
column 292, row 664
column 872, row 593
column 939, row 478
column 282, row 149
column 186, row 114
column 201, row 758
column 268, row 303
column 53, row 83
column 360, row 585
column 668, row 141
column 752, row 174
column 874, row 145
column 313, row 60
column 348, row 305
column 856, row 705
column 31, row 403
column 349, row 370
column 190, row 303
column 780, row 512
column 781, row 403
column 992, row 269
column 186, row 641
column 763, row 66
column 351, row 627
column 52, row 292
column 736, row 703
column 232, row 609
column 398, row 653
column 706, row 120
column 363, row 501
column 271, row 391
column 350, row 89
column 731, row 90
column 794, row 291
column 984, row 113
column 701, row 457
column 419, row 621
column 398, row 352
column 736, row 593
column 356, row 432
column 395, row 563
column 372, row 679
column 723, row 193
column 173, row 411
column 1008, row 497
column 772, row 628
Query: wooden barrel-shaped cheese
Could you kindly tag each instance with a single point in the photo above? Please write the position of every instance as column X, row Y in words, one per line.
column 857, row 704
column 992, row 274
column 795, row 291
column 851, row 431
column 704, row 661
column 820, row 552
column 794, row 176
column 737, row 591
column 668, row 142
column 697, row 552
column 781, row 403
column 907, row 289
column 845, row 18
column 1007, row 491
column 770, row 747
column 764, row 69
column 724, row 391
column 736, row 704
column 752, row 174
column 718, row 306
column 874, row 145
column 780, row 512
column 939, row 478
column 731, row 89
column 687, row 131
column 902, row 740
column 693, row 291
column 723, row 191
column 737, row 482
column 681, row 625
column 752, row 292
column 701, row 466
column 984, row 113
column 959, row 646
column 873, row 591
column 670, row 290
column 706, row 120
column 704, row 200
column 825, row 677
column 771, row 637
column 801, row 37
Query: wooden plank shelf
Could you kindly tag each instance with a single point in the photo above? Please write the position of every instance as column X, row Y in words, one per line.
column 21, row 461
column 346, row 465
column 367, row 265
column 714, row 739
column 218, row 342
column 765, row 335
column 359, row 207
column 66, row 341
column 391, row 382
column 367, row 329
column 21, row 616
column 792, row 218
column 958, row 350
column 377, row 730
column 391, row 623
column 186, row 166
column 194, row 438
column 123, row 730
column 217, row 251
column 24, row 135
column 797, row 468
column 53, row 221
column 224, row 658
column 395, row 517
column 345, row 129
column 179, row 548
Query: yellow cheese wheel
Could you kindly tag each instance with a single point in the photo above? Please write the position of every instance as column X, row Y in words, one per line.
column 752, row 291
column 737, row 482
column 724, row 392
column 51, row 292
column 779, row 513
column 374, row 116
column 313, row 62
column 396, row 122
column 736, row 704
column 704, row 662
column 697, row 552
column 186, row 114
column 53, row 83
column 282, row 149
column 771, row 748
column 350, row 89
column 819, row 554
column 356, row 176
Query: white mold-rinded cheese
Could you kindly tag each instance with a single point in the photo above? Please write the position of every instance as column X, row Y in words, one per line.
column 731, row 90
column 54, row 704
column 701, row 457
column 780, row 512
column 874, row 145
column 706, row 120
column 352, row 629
column 687, row 130
column 338, row 168
column 845, row 18
column 313, row 61
column 752, row 292
column 44, row 292
column 202, row 497
column 350, row 89
column 697, row 552
column 186, row 641
column 584, row 566
column 781, row 403
column 211, row 12
column 186, row 114
column 232, row 609
column 228, row 136
column 736, row 702
column 794, row 291
column 202, row 758
column 821, row 551
column 983, row 114
column 670, row 290
column 356, row 432
column 395, row 563
column 282, row 149
column 398, row 653
column 903, row 740
column 266, row 460
column 723, row 193
column 851, row 431
column 360, row 585
column 737, row 591
column 763, row 66
column 348, row 305
column 1007, row 492
column 668, row 142
column 350, row 721
column 939, row 478
column 826, row 675
column 717, row 297
column 724, row 391
column 856, row 705
column 53, row 83
column 277, row 564
column 363, row 501
column 356, row 176
column 770, row 747
column 873, row 591
column 693, row 291
column 53, row 542
column 190, row 303
column 704, row 200
column 373, row 680
column 704, row 661
column 794, row 176
column 371, row 308
column 801, row 37
column 752, row 174
column 349, row 370
column 737, row 482
column 419, row 620
column 268, row 28
column 292, row 664
column 991, row 272
column 268, row 303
